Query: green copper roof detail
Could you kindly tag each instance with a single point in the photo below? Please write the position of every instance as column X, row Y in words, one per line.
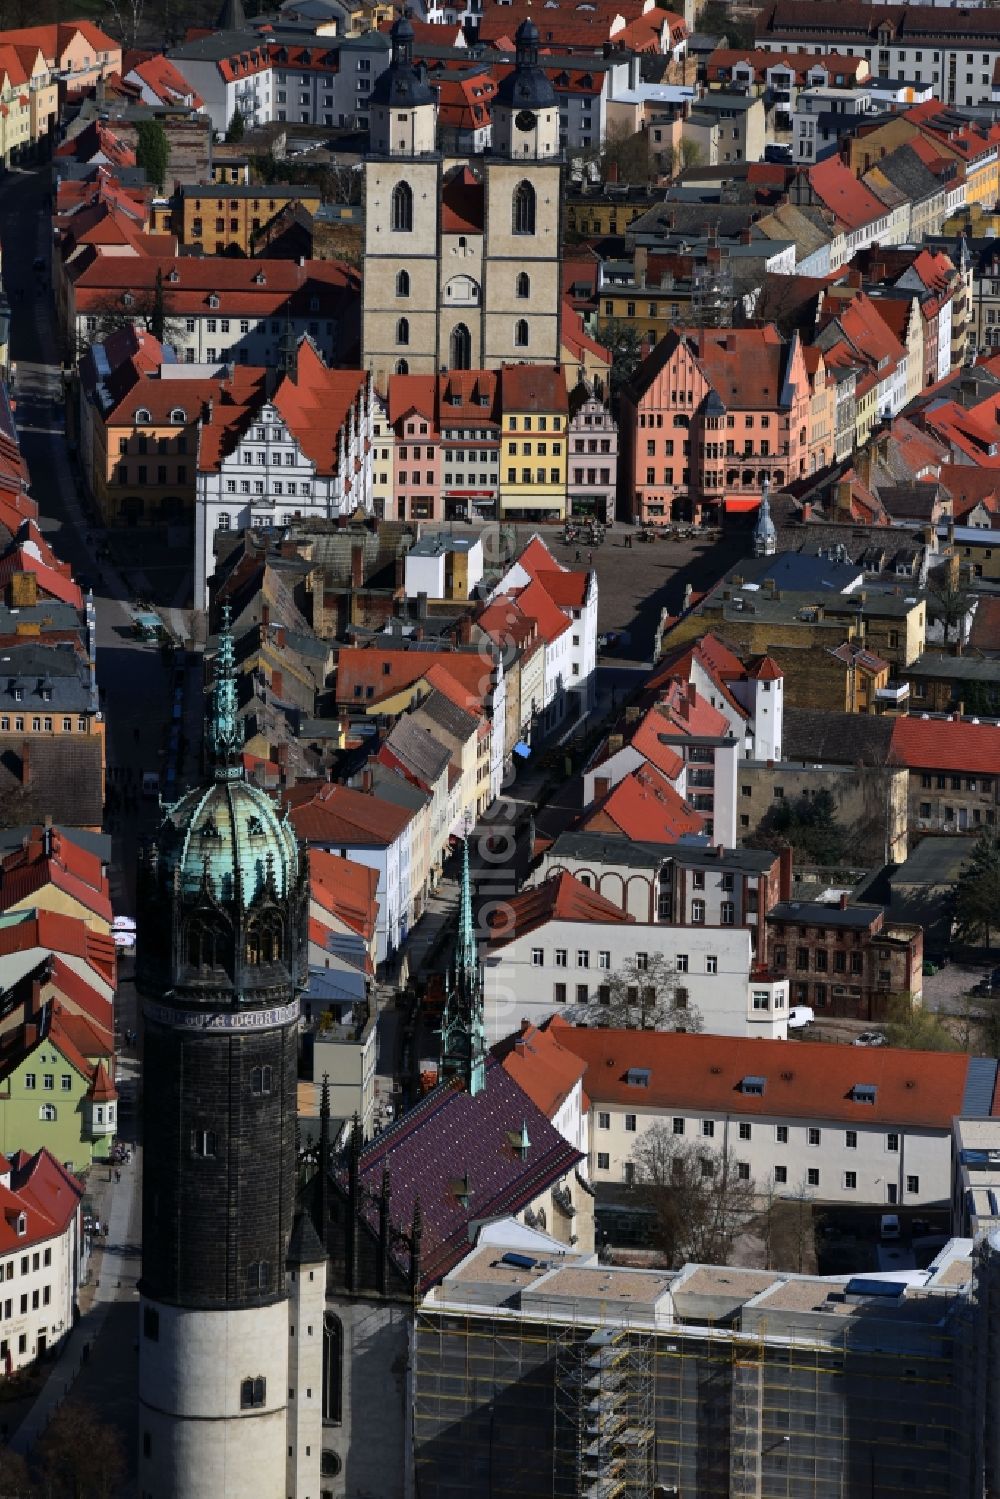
column 223, row 726
column 463, row 1024
column 466, row 956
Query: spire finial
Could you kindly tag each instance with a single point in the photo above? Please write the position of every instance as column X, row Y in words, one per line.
column 223, row 729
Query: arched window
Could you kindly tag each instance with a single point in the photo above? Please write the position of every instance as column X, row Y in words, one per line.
column 523, row 209
column 402, row 208
column 178, row 416
column 461, row 347
column 523, row 285
column 333, row 1368
column 402, row 367
column 521, row 333
column 264, row 938
column 142, row 417
column 253, row 1393
column 47, row 1112
column 224, row 522
column 204, row 941
column 403, row 284
column 403, row 331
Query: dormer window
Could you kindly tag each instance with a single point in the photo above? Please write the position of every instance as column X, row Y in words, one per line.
column 142, row 417
column 213, row 300
column 314, row 304
column 178, row 416
column 174, row 276
column 127, row 299
column 21, row 1226
column 260, row 279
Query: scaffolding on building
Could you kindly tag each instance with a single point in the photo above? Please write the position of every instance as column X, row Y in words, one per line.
column 603, row 1434
column 712, row 294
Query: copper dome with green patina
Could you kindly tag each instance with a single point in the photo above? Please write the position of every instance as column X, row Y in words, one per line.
column 228, row 835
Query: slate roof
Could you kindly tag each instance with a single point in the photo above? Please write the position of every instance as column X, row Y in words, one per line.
column 416, row 750
column 450, row 1134
column 57, row 777
column 813, row 736
column 449, row 716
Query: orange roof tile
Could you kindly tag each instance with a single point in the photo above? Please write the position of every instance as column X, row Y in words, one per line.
column 644, row 806
column 817, row 1082
column 562, row 897
column 953, row 745
column 541, row 1067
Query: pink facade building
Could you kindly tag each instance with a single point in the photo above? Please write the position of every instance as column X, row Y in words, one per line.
column 711, row 414
column 412, row 415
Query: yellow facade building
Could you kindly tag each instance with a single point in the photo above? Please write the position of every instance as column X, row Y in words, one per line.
column 533, row 441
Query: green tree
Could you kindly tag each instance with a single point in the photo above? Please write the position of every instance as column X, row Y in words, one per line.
column 236, row 127
column 687, row 153
column 808, row 825
column 949, row 604
column 977, row 899
column 625, row 155
column 625, row 346
column 152, row 152
column 915, row 1028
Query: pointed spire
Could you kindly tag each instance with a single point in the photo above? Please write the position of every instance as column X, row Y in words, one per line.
column 223, row 728
column 466, row 958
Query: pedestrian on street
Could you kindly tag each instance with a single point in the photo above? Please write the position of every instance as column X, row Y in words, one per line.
column 118, row 1176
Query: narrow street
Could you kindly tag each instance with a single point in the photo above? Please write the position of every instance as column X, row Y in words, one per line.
column 135, row 687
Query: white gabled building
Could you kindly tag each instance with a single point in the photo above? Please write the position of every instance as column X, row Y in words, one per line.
column 558, row 944
column 563, row 602
column 42, row 1256
column 305, row 452
column 820, row 1121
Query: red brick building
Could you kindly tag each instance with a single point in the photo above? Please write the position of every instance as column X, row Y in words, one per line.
column 846, row 959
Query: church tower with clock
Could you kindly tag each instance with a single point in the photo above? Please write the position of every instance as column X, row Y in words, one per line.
column 232, row 1288
column 461, row 254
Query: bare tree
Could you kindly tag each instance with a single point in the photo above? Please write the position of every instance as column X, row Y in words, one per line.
column 132, row 308
column 82, row 1458
column 646, row 995
column 702, row 1197
column 126, row 20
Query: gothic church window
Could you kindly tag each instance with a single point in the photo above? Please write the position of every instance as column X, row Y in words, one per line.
column 461, row 347
column 402, row 367
column 333, row 1368
column 523, row 209
column 264, row 938
column 403, row 284
column 204, row 941
column 403, row 331
column 402, row 208
column 521, row 333
column 260, row 1081
column 523, row 286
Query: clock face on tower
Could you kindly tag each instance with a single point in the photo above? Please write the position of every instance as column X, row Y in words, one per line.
column 525, row 120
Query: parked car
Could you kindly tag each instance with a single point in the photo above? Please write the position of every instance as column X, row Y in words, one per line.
column 799, row 1016
column 872, row 1038
column 888, row 1229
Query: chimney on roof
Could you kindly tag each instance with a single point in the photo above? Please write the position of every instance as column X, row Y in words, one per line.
column 602, row 784
column 465, row 630
column 785, row 874
column 265, row 615
column 692, row 694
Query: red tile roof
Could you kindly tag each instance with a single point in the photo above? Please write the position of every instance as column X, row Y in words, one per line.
column 390, row 671
column 699, row 1072
column 345, row 889
column 55, row 861
column 568, row 589
column 839, row 190
column 162, row 78
column 463, row 203
column 562, row 897
column 645, row 807
column 649, row 742
column 537, row 603
column 61, row 934
column 534, row 387
column 339, row 815
column 44, row 1191
column 952, row 745
column 541, row 1067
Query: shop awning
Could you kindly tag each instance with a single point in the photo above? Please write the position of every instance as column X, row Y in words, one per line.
column 522, row 749
column 740, row 506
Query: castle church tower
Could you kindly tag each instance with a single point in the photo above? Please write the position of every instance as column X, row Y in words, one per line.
column 399, row 328
column 521, row 293
column 223, row 943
